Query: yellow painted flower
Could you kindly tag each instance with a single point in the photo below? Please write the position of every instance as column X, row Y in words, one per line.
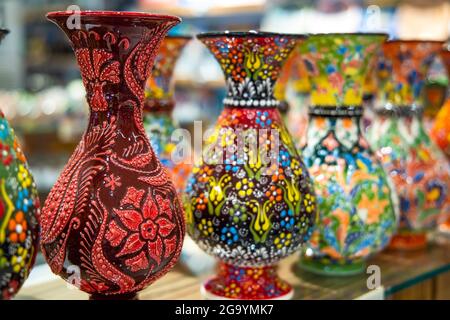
column 283, row 240
column 24, row 176
column 245, row 187
column 205, row 227
column 18, row 260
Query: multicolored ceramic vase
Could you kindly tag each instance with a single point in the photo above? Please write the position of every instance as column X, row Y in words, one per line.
column 297, row 115
column 113, row 224
column 357, row 211
column 418, row 169
column 251, row 201
column 158, row 106
column 19, row 212
column 440, row 132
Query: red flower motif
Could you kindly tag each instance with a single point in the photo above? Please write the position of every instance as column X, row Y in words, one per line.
column 146, row 234
column 95, row 77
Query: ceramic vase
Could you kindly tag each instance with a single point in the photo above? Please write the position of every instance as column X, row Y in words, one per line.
column 356, row 208
column 297, row 115
column 112, row 224
column 440, row 132
column 19, row 212
column 158, row 106
column 250, row 201
column 418, row 169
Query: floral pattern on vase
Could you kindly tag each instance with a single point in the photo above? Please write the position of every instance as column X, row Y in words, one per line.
column 249, row 207
column 356, row 205
column 19, row 212
column 158, row 106
column 418, row 169
column 113, row 213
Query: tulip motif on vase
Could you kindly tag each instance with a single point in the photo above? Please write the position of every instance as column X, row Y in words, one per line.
column 113, row 215
column 249, row 206
column 418, row 169
column 19, row 212
column 357, row 213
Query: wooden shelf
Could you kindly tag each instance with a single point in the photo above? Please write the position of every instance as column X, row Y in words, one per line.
column 399, row 271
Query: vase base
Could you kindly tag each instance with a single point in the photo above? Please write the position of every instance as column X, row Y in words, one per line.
column 246, row 283
column 322, row 269
column 409, row 241
column 125, row 296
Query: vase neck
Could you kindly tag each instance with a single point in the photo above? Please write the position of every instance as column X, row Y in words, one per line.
column 251, row 64
column 408, row 63
column 115, row 56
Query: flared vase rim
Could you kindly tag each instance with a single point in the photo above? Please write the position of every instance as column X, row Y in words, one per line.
column 115, row 15
column 248, row 34
column 417, row 41
column 346, row 34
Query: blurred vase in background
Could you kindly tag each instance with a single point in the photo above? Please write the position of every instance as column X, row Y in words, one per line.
column 417, row 167
column 113, row 224
column 19, row 212
column 158, row 106
column 159, row 124
column 250, row 202
column 356, row 204
column 297, row 117
column 440, row 131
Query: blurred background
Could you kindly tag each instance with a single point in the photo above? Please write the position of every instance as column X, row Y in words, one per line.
column 42, row 95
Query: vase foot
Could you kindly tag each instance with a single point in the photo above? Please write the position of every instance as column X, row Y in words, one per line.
column 125, row 296
column 246, row 283
column 408, row 241
column 332, row 269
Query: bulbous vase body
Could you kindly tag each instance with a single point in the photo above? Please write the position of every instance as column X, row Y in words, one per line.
column 112, row 224
column 250, row 202
column 158, row 106
column 19, row 212
column 357, row 210
column 418, row 169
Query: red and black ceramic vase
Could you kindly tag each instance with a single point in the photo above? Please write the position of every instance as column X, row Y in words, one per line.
column 250, row 202
column 19, row 212
column 112, row 224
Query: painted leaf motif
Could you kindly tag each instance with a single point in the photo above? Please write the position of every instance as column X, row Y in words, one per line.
column 132, row 245
column 139, row 262
column 115, row 234
column 130, row 218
